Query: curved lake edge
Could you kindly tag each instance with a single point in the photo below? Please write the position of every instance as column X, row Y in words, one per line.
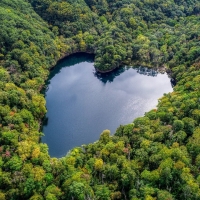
column 161, row 69
column 66, row 55
column 134, row 64
column 119, row 68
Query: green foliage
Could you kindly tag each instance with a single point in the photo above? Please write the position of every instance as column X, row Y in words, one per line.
column 156, row 156
column 178, row 125
column 128, row 31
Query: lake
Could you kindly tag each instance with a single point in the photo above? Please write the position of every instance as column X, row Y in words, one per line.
column 81, row 103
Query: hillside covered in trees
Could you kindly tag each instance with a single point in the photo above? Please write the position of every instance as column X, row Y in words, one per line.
column 157, row 157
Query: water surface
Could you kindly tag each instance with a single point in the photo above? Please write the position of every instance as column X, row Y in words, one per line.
column 82, row 103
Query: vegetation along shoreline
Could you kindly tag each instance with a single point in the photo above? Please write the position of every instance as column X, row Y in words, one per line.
column 155, row 157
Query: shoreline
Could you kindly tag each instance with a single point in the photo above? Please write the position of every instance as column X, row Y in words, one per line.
column 161, row 69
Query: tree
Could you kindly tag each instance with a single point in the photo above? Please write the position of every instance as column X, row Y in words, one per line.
column 102, row 192
column 98, row 165
column 164, row 195
column 14, row 164
column 105, row 136
column 178, row 125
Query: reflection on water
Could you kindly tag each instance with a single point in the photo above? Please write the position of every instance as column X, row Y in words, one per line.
column 81, row 103
column 110, row 76
column 146, row 71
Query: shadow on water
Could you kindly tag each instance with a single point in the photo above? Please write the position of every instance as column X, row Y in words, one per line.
column 82, row 102
column 69, row 62
column 110, row 76
column 103, row 77
column 84, row 57
column 146, row 71
column 173, row 82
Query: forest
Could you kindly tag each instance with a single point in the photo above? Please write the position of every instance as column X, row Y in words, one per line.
column 157, row 156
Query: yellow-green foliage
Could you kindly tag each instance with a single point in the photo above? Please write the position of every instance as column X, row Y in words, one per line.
column 156, row 156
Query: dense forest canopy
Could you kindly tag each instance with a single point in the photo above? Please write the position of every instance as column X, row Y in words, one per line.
column 157, row 157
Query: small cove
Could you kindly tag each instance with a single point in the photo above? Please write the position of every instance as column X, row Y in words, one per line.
column 82, row 103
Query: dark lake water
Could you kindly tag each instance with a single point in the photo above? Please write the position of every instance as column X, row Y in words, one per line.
column 82, row 103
